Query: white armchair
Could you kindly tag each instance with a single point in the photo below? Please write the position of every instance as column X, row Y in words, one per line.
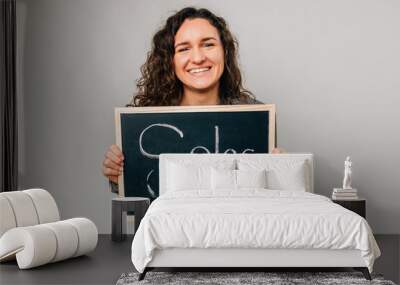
column 31, row 230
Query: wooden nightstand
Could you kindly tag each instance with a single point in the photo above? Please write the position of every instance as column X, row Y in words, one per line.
column 358, row 206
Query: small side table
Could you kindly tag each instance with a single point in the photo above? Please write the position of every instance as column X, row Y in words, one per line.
column 120, row 206
column 358, row 206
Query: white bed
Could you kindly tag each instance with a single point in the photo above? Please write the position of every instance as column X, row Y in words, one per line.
column 201, row 221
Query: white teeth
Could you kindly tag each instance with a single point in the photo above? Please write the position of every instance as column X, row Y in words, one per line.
column 197, row 70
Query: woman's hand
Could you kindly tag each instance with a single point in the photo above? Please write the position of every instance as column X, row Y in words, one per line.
column 277, row 150
column 113, row 163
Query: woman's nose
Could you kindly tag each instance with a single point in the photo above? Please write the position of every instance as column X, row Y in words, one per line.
column 197, row 56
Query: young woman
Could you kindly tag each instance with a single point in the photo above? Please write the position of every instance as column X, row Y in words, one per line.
column 193, row 61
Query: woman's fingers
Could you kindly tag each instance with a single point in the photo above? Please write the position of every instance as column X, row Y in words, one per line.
column 108, row 163
column 117, row 151
column 110, row 172
column 278, row 150
column 113, row 163
column 113, row 157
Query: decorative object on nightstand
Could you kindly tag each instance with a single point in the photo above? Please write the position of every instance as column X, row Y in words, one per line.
column 344, row 194
column 347, row 196
column 122, row 205
column 347, row 174
column 358, row 205
column 347, row 192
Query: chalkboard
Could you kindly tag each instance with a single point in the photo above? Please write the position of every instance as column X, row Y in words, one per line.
column 143, row 133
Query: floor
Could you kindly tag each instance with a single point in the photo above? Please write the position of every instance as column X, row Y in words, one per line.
column 110, row 260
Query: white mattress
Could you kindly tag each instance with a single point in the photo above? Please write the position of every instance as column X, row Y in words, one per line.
column 253, row 218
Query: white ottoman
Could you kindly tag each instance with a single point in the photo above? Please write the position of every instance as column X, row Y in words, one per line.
column 31, row 232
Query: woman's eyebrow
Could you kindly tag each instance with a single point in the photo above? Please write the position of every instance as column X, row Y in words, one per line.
column 187, row 43
column 208, row 38
column 181, row 44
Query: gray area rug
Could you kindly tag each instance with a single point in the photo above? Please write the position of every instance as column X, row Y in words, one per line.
column 269, row 278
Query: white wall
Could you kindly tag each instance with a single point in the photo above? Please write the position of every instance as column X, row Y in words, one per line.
column 331, row 67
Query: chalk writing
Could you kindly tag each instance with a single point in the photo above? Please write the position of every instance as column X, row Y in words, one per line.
column 181, row 135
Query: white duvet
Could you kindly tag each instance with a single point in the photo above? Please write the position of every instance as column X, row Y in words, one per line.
column 252, row 218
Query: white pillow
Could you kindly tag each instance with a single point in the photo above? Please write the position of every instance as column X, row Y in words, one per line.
column 251, row 178
column 281, row 174
column 223, row 179
column 183, row 176
column 236, row 179
column 293, row 178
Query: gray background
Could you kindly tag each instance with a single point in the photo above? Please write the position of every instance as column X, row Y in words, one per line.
column 331, row 67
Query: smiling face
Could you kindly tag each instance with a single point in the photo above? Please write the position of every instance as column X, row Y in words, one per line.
column 199, row 56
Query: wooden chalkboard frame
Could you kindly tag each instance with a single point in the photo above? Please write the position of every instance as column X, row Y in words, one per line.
column 209, row 108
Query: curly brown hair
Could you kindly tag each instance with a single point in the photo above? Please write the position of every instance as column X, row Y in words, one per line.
column 159, row 85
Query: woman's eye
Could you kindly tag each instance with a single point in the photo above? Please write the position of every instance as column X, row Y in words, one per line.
column 209, row 44
column 182, row 49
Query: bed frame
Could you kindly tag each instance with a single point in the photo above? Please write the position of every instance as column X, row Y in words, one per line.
column 242, row 259
column 246, row 258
